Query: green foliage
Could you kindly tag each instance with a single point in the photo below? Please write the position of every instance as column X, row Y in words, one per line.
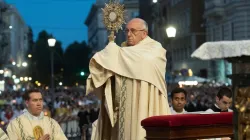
column 68, row 65
column 42, row 60
column 77, row 56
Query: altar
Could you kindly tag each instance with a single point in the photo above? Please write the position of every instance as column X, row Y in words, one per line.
column 196, row 126
column 189, row 126
column 237, row 53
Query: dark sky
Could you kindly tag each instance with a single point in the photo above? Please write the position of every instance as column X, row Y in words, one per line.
column 63, row 18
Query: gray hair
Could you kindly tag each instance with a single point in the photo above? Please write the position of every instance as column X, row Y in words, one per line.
column 145, row 24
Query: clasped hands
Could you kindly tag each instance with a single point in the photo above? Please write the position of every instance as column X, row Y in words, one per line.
column 45, row 137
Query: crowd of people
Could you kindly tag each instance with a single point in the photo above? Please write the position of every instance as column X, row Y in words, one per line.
column 200, row 98
column 74, row 111
column 127, row 89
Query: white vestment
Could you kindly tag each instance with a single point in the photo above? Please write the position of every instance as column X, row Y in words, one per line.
column 3, row 135
column 173, row 112
column 21, row 128
column 130, row 81
column 210, row 110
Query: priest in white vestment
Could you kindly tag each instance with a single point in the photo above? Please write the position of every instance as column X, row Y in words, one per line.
column 130, row 81
column 3, row 135
column 32, row 124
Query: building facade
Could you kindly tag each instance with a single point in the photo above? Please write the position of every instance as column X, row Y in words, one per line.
column 97, row 33
column 14, row 50
column 226, row 20
column 146, row 13
column 131, row 11
column 186, row 16
column 3, row 36
column 17, row 39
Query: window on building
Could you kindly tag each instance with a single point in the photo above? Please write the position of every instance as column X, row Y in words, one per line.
column 135, row 14
column 188, row 17
column 214, row 34
column 232, row 31
column 203, row 73
column 186, row 52
column 222, row 32
column 164, row 12
column 183, row 53
column 172, row 2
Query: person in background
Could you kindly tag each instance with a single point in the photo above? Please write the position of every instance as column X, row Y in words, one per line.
column 8, row 114
column 32, row 124
column 130, row 82
column 84, row 121
column 191, row 105
column 179, row 100
column 94, row 112
column 223, row 101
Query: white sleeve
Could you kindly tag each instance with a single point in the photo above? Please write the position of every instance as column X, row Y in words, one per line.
column 12, row 131
column 58, row 134
column 3, row 136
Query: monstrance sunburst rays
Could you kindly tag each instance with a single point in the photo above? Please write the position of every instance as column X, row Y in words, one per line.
column 113, row 17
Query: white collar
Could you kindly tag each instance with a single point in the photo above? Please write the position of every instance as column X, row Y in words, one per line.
column 32, row 117
column 216, row 106
column 174, row 112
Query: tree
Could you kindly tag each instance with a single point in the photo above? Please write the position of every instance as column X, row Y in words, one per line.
column 30, row 52
column 42, row 60
column 76, row 61
column 3, row 37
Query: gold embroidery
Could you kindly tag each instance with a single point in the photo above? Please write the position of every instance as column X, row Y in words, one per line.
column 123, row 97
column 38, row 132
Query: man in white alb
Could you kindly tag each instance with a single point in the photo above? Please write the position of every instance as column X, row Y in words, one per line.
column 130, row 82
column 32, row 124
column 3, row 135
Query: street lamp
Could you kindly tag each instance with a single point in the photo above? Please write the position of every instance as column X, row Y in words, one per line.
column 24, row 64
column 171, row 33
column 52, row 43
column 60, row 83
column 82, row 73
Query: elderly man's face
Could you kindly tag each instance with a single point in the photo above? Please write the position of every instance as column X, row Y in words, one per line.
column 135, row 32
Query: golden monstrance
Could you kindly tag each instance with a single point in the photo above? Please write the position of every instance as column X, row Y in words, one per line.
column 113, row 17
column 38, row 132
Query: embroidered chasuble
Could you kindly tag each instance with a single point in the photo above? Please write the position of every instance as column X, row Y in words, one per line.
column 22, row 127
column 130, row 81
column 3, row 135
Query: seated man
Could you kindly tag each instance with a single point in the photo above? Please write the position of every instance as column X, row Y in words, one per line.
column 32, row 124
column 178, row 98
column 3, row 136
column 223, row 101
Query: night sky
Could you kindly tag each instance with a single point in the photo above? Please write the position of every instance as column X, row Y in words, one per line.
column 63, row 18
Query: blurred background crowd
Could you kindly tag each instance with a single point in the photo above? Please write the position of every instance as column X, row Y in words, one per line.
column 72, row 109
column 75, row 111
